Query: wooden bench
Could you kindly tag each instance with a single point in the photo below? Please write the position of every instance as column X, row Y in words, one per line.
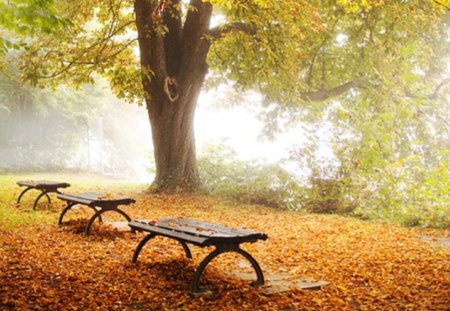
column 186, row 230
column 99, row 203
column 45, row 186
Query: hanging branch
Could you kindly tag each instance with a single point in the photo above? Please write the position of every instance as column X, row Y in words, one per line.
column 438, row 88
column 321, row 95
column 219, row 31
column 442, row 4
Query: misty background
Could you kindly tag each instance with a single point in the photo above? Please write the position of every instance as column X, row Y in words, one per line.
column 90, row 130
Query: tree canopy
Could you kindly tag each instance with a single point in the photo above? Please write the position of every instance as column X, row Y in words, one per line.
column 382, row 60
column 291, row 51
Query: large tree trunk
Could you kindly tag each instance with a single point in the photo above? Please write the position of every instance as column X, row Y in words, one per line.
column 174, row 68
column 174, row 142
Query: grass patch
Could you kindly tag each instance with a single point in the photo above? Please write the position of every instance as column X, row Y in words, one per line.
column 14, row 216
column 14, row 219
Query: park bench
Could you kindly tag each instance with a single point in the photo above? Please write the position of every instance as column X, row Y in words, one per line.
column 45, row 186
column 186, row 230
column 99, row 203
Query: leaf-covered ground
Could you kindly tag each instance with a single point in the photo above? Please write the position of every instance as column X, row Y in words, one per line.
column 369, row 266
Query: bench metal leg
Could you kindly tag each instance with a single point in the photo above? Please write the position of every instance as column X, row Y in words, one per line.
column 259, row 274
column 44, row 192
column 141, row 245
column 87, row 230
column 23, row 192
column 196, row 288
column 39, row 197
column 151, row 236
column 98, row 214
column 95, row 211
column 186, row 249
column 123, row 214
column 68, row 207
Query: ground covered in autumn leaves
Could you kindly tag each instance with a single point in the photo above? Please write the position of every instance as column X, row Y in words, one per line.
column 370, row 266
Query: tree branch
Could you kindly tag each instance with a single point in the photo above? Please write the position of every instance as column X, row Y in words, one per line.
column 431, row 96
column 336, row 91
column 172, row 39
column 316, row 54
column 442, row 4
column 321, row 95
column 151, row 45
column 221, row 30
column 100, row 44
column 438, row 88
column 195, row 46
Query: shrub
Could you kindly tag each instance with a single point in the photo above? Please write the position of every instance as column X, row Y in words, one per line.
column 406, row 191
column 251, row 182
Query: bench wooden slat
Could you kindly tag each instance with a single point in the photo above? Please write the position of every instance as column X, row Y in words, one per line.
column 201, row 228
column 42, row 184
column 87, row 200
column 95, row 199
column 192, row 228
column 141, row 226
column 169, row 228
column 219, row 230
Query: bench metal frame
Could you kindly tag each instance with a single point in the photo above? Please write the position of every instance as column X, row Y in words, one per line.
column 228, row 240
column 44, row 186
column 97, row 203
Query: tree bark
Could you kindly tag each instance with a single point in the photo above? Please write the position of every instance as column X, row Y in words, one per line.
column 174, row 68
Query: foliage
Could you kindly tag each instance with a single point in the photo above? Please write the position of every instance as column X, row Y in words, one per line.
column 268, row 57
column 368, row 265
column 388, row 192
column 399, row 160
column 390, row 161
column 390, row 138
column 286, row 51
column 404, row 192
column 328, row 196
column 27, row 18
column 373, row 47
column 224, row 174
column 97, row 41
column 409, row 193
column 289, row 51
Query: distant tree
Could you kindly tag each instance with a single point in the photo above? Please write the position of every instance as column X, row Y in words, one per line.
column 39, row 129
column 294, row 52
